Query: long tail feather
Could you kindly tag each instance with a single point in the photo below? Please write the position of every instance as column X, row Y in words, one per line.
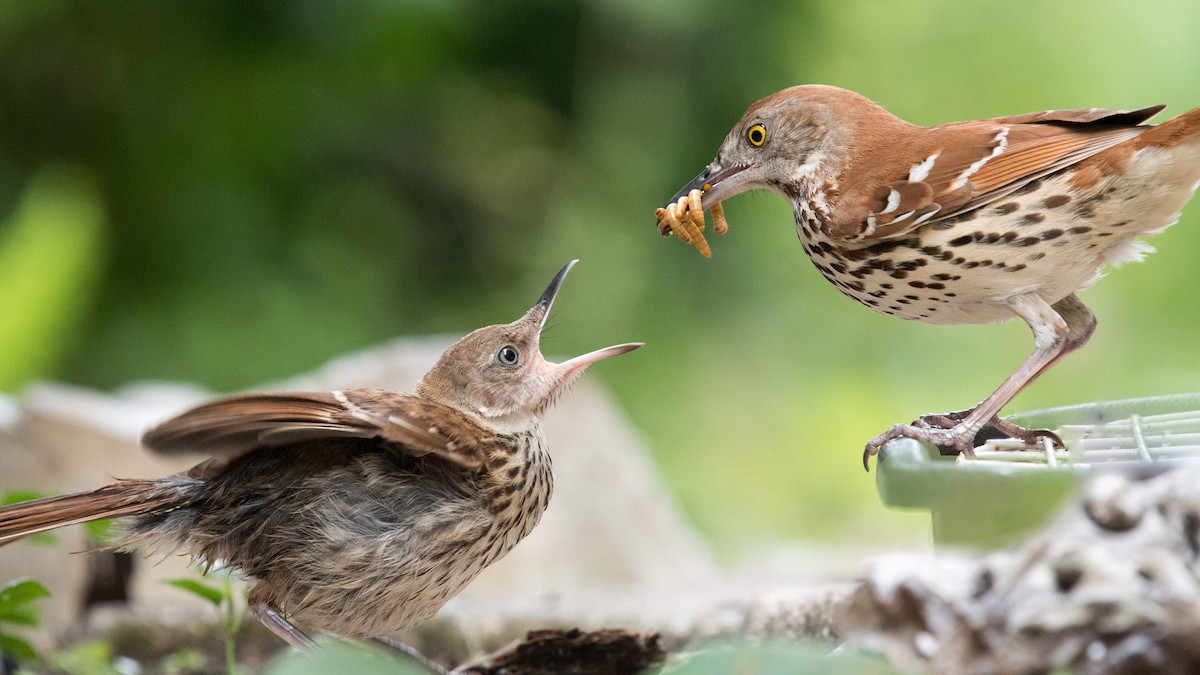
column 125, row 498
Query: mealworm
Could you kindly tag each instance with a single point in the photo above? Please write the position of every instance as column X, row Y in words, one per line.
column 692, row 220
column 680, row 222
column 685, row 219
column 695, row 210
column 718, row 214
column 672, row 225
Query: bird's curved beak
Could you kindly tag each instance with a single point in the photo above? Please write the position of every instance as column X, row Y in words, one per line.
column 567, row 370
column 576, row 365
column 541, row 310
column 718, row 178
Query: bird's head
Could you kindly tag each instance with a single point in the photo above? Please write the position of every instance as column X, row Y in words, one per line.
column 787, row 142
column 498, row 374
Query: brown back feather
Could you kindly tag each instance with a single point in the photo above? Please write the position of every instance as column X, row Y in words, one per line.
column 111, row 501
column 233, row 427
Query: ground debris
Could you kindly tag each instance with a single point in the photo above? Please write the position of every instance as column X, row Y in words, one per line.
column 1111, row 586
column 607, row 651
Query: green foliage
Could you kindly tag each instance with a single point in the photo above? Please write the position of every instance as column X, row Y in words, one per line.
column 17, row 608
column 99, row 531
column 342, row 657
column 50, row 257
column 200, row 589
column 183, row 661
column 780, row 658
column 231, row 610
column 92, row 657
column 96, row 657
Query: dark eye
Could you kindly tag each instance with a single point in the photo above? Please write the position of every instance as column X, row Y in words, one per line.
column 508, row 355
column 757, row 135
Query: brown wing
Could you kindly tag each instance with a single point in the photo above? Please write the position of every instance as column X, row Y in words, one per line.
column 232, row 427
column 956, row 168
column 1084, row 116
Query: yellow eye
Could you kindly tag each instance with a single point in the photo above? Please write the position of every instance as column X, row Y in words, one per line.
column 757, row 135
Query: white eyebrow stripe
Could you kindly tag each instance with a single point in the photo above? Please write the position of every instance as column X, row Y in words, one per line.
column 921, row 171
column 893, row 202
column 1001, row 140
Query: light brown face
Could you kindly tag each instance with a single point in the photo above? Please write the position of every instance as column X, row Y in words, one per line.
column 498, row 372
column 778, row 142
column 492, row 368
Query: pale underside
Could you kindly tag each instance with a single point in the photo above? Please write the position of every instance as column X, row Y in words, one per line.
column 966, row 269
column 400, row 577
column 385, row 548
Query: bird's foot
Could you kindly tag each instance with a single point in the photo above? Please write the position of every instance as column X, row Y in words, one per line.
column 993, row 428
column 957, row 437
column 950, row 433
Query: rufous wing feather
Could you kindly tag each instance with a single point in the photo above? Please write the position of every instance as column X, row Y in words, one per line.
column 967, row 165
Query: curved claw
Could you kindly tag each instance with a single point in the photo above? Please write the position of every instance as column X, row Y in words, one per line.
column 1031, row 437
column 1046, row 433
column 958, row 437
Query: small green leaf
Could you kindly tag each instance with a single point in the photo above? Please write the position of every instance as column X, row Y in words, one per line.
column 214, row 595
column 20, row 592
column 183, row 661
column 18, row 496
column 99, row 531
column 23, row 615
column 16, row 648
column 340, row 657
column 93, row 657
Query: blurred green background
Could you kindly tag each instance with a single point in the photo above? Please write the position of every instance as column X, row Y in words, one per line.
column 232, row 192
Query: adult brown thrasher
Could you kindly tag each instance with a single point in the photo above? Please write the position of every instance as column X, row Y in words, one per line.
column 967, row 222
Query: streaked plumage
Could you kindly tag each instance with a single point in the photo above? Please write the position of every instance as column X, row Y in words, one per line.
column 967, row 222
column 356, row 512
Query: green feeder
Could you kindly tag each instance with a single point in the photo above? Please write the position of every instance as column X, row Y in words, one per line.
column 1009, row 491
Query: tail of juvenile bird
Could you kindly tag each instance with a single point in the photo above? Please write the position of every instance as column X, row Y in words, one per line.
column 126, row 498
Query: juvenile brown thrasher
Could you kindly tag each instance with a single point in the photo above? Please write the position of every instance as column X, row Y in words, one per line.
column 356, row 512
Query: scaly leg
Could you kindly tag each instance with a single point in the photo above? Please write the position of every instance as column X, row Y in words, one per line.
column 1057, row 331
column 1001, row 426
column 266, row 614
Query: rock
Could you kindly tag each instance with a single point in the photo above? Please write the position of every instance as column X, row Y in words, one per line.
column 1111, row 586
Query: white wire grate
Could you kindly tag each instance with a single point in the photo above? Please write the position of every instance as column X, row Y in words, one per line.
column 1166, row 438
